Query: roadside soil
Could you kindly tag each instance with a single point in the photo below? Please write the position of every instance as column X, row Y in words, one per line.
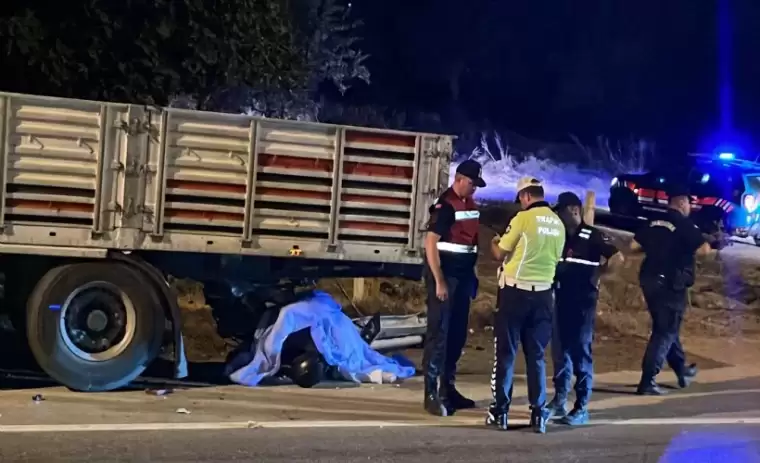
column 724, row 311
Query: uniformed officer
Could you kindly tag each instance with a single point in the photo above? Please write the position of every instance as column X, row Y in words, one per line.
column 587, row 251
column 530, row 249
column 451, row 252
column 670, row 245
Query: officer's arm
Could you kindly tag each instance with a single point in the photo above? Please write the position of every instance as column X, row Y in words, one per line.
column 609, row 249
column 693, row 238
column 503, row 245
column 613, row 261
column 707, row 251
column 442, row 218
column 634, row 247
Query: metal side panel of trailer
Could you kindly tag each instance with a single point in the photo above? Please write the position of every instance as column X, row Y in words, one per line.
column 84, row 177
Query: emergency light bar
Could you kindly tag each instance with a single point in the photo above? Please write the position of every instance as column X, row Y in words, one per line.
column 728, row 158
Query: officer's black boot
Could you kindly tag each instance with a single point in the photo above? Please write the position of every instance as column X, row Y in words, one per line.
column 556, row 407
column 687, row 375
column 538, row 419
column 433, row 402
column 648, row 386
column 497, row 417
column 453, row 398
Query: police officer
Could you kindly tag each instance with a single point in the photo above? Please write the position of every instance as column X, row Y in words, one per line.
column 530, row 249
column 451, row 253
column 670, row 245
column 586, row 252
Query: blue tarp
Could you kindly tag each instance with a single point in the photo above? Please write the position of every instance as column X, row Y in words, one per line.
column 334, row 335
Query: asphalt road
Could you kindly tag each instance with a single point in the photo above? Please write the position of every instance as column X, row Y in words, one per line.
column 716, row 419
column 621, row 444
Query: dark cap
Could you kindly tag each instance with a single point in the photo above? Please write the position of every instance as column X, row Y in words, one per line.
column 567, row 199
column 472, row 170
column 677, row 190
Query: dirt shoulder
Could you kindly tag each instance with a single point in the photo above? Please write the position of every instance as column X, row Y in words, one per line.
column 724, row 311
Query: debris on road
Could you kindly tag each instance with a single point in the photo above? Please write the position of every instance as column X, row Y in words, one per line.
column 183, row 411
column 159, row 392
column 37, row 398
column 393, row 332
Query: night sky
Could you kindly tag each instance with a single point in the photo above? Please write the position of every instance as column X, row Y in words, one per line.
column 684, row 72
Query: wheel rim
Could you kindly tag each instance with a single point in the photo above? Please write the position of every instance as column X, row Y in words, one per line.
column 97, row 321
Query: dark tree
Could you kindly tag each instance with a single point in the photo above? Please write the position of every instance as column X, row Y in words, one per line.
column 149, row 50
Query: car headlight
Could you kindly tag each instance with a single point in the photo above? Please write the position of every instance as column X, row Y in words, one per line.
column 750, row 203
column 614, row 182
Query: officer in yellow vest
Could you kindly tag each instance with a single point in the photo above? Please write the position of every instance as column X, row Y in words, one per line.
column 530, row 248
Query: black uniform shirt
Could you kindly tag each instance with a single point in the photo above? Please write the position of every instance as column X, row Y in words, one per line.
column 580, row 267
column 670, row 245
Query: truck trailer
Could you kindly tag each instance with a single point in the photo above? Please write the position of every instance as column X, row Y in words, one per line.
column 101, row 203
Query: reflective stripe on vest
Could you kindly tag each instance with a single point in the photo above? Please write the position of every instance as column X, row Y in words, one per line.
column 466, row 215
column 575, row 260
column 458, row 248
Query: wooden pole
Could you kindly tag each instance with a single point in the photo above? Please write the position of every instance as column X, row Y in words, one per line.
column 589, row 207
column 360, row 289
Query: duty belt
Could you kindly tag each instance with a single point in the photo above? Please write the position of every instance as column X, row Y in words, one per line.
column 505, row 281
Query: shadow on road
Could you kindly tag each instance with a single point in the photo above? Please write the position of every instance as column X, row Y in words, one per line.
column 735, row 396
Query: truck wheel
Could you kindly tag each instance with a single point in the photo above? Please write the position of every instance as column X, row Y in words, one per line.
column 94, row 326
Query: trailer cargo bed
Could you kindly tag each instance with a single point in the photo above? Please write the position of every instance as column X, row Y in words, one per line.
column 82, row 178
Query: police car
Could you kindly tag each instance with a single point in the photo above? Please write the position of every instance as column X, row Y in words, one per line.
column 725, row 194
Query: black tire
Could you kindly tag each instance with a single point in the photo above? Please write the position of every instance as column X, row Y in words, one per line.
column 51, row 345
column 623, row 202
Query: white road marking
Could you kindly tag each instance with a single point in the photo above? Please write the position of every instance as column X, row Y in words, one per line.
column 229, row 425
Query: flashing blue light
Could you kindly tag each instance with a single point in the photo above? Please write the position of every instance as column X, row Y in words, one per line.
column 726, row 156
column 705, row 178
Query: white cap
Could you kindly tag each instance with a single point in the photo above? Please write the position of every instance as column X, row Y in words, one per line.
column 525, row 182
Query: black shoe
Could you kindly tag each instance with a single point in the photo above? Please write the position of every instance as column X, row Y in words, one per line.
column 556, row 408
column 578, row 416
column 433, row 402
column 649, row 388
column 538, row 419
column 687, row 375
column 497, row 418
column 454, row 399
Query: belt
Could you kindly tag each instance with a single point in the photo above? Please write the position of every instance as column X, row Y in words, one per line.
column 512, row 283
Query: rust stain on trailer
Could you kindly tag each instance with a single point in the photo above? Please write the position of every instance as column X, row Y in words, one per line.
column 48, row 205
column 354, row 136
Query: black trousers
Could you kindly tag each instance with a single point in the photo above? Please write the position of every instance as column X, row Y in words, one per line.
column 666, row 307
column 523, row 317
column 447, row 326
column 572, row 341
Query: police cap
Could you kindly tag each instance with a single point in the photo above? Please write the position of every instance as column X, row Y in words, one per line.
column 472, row 170
column 526, row 182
